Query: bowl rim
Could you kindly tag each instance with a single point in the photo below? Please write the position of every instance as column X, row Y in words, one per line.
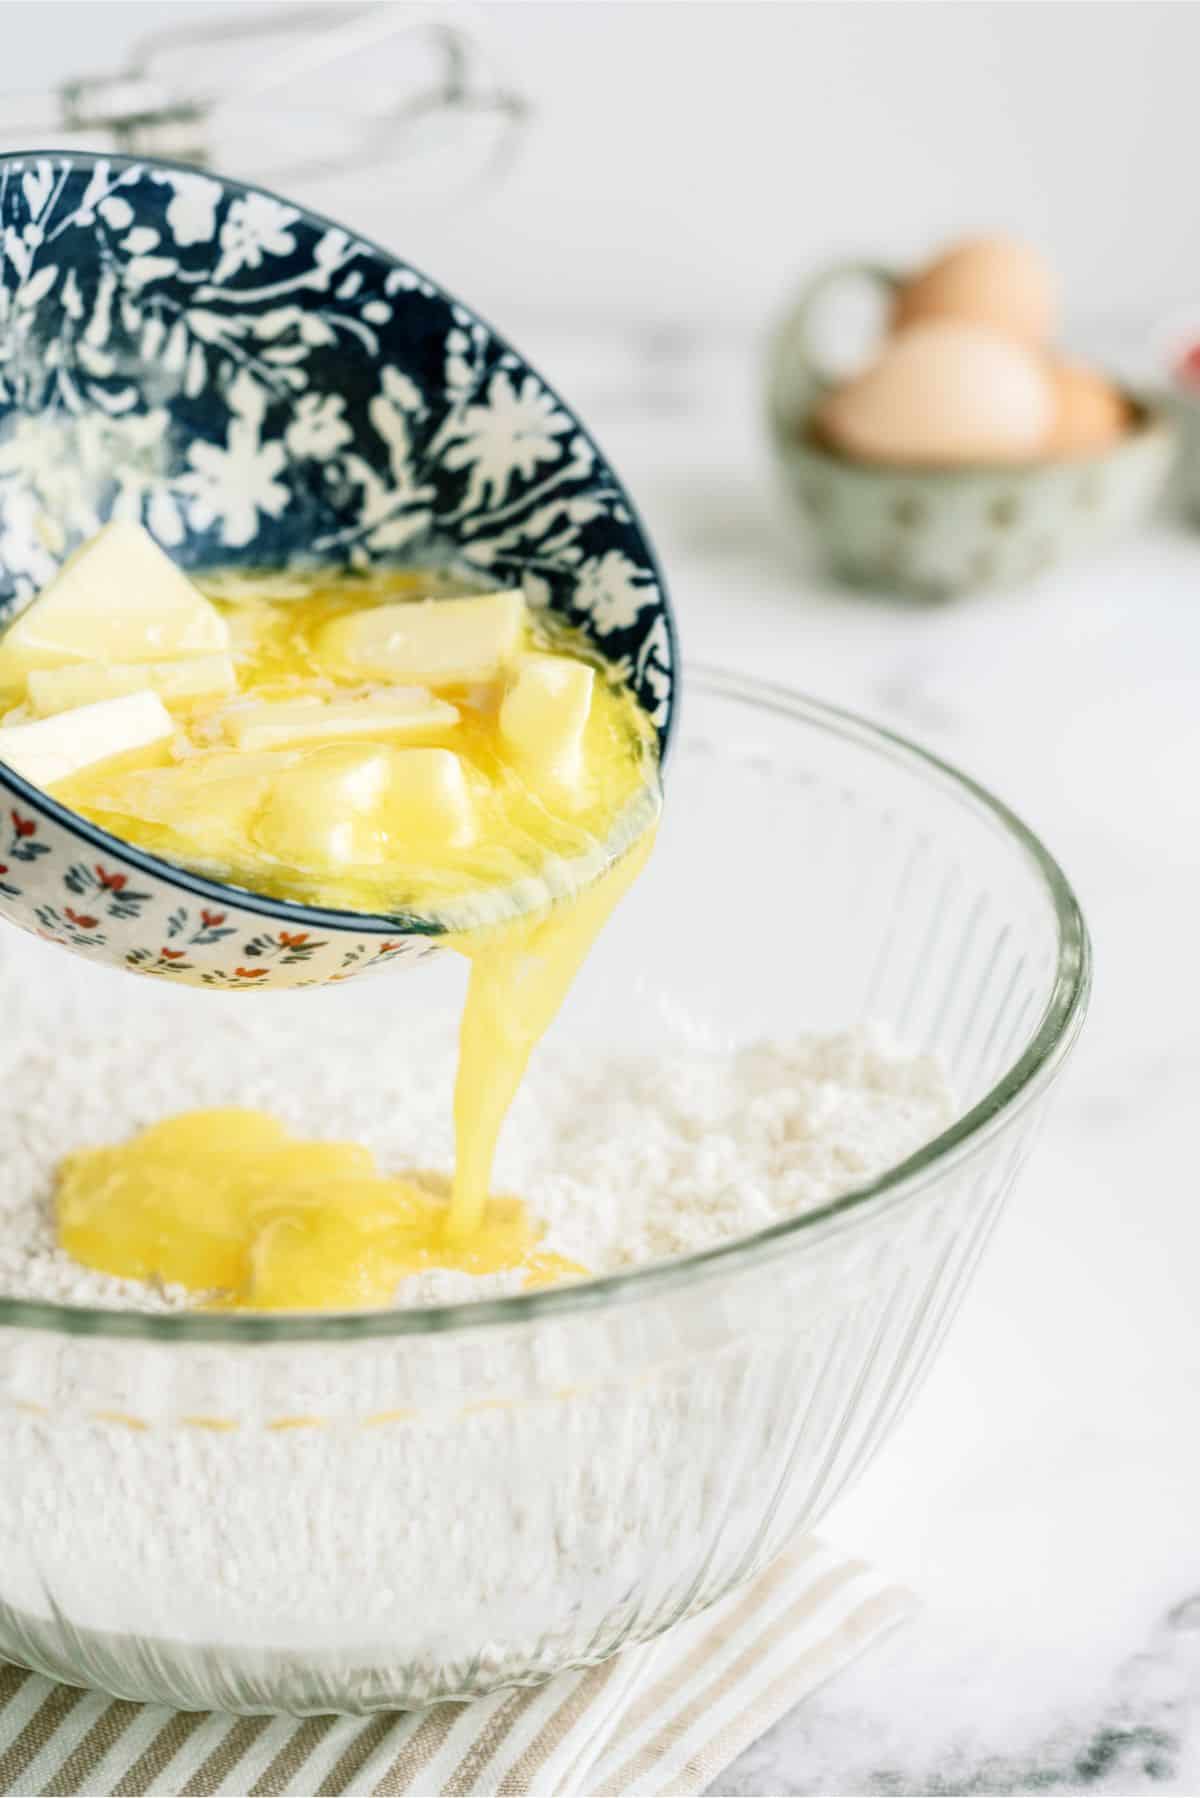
column 292, row 911
column 1039, row 1060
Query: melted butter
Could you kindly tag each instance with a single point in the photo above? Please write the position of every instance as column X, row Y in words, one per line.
column 520, row 975
column 197, row 801
column 226, row 1204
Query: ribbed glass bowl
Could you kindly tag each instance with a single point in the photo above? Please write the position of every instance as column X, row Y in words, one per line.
column 350, row 1513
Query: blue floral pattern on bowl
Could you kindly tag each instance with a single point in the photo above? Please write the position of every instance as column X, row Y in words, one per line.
column 262, row 388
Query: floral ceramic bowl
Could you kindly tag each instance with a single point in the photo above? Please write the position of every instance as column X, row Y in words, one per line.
column 263, row 389
column 937, row 533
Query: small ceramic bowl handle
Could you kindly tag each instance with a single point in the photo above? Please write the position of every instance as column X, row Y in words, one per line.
column 796, row 373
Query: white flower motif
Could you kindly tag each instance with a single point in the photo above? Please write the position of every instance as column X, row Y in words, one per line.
column 614, row 591
column 284, row 322
column 255, row 226
column 538, row 592
column 163, row 517
column 140, row 241
column 653, row 670
column 72, row 299
column 22, row 519
column 330, row 253
column 37, row 184
column 140, row 271
column 658, row 682
column 234, row 484
column 512, row 434
column 116, row 212
column 17, row 251
column 68, row 463
column 402, row 390
column 192, row 212
column 34, row 290
column 318, row 428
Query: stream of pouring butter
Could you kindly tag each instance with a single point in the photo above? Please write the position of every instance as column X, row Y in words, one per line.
column 520, row 975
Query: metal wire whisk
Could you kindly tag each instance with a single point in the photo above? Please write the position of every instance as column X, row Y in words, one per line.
column 296, row 93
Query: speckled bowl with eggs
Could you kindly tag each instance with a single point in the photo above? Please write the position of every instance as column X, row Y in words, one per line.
column 263, row 389
column 936, row 533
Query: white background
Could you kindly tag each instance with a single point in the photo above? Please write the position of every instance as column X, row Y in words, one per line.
column 685, row 160
column 685, row 166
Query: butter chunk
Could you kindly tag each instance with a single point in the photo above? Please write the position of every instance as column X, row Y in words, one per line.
column 543, row 717
column 209, row 799
column 435, row 642
column 185, row 678
column 326, row 812
column 429, row 800
column 53, row 748
column 118, row 598
column 273, row 723
column 345, row 806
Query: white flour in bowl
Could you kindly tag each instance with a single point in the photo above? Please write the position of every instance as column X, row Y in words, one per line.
column 626, row 1160
column 412, row 1517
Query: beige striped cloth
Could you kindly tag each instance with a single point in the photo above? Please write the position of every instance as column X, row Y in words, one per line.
column 665, row 1717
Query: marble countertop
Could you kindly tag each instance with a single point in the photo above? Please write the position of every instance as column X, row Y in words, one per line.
column 1041, row 1495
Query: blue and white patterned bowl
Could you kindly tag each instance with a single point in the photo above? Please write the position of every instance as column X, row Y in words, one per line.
column 260, row 387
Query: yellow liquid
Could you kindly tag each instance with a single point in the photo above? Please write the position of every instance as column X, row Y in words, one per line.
column 518, row 982
column 202, row 803
column 226, row 1204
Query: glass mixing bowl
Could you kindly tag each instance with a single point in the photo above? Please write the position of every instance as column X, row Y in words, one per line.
column 312, row 1513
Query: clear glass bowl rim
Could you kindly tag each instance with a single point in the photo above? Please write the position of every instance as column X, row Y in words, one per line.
column 1028, row 1075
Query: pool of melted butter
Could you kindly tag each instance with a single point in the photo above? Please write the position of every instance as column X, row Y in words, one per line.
column 227, row 1204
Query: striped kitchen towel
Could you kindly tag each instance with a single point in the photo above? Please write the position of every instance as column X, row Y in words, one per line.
column 665, row 1717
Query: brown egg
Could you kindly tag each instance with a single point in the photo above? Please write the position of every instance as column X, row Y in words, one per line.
column 944, row 393
column 989, row 280
column 1090, row 413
